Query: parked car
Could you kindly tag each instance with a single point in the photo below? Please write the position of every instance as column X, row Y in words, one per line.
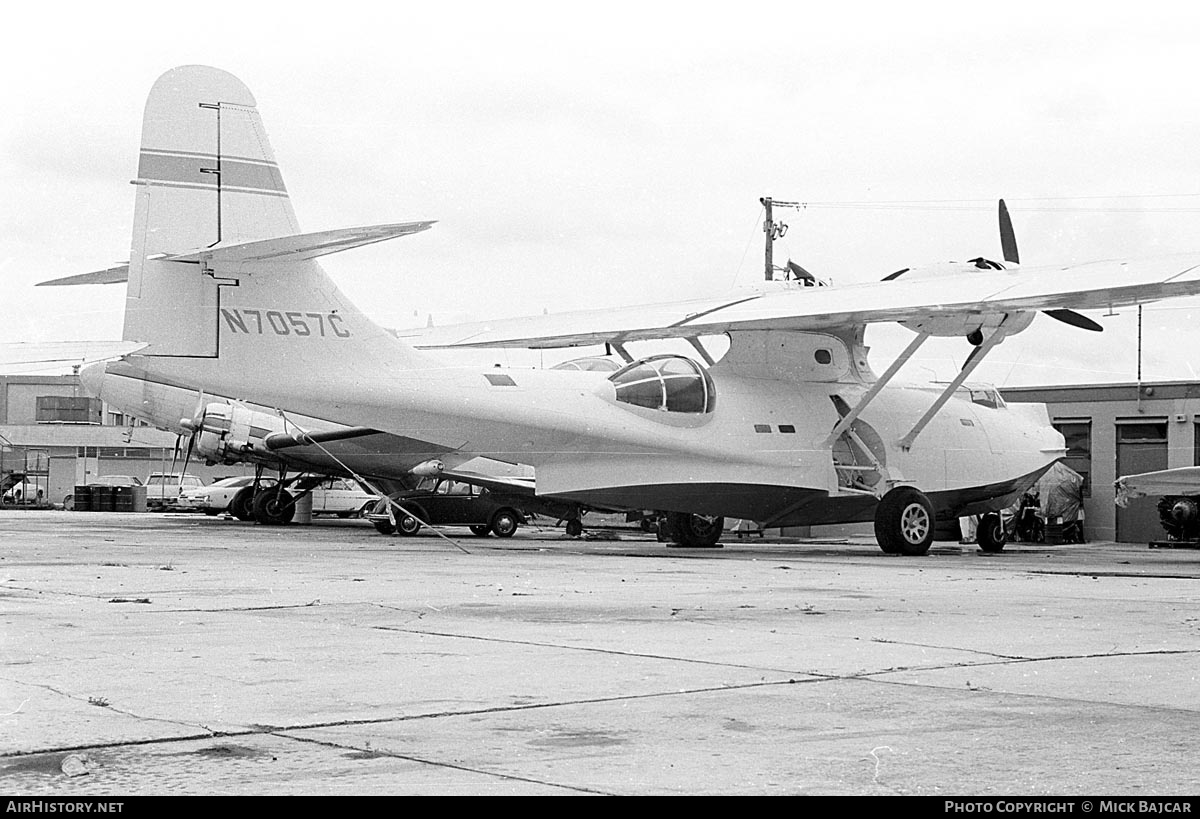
column 447, row 502
column 216, row 497
column 115, row 480
column 24, row 492
column 332, row 496
column 164, row 488
column 342, row 497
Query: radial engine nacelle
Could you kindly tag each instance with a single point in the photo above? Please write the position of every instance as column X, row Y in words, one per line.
column 227, row 433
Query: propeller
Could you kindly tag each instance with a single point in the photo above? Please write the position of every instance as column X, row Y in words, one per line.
column 1008, row 245
column 194, row 426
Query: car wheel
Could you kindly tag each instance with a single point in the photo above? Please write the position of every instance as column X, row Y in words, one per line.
column 408, row 525
column 481, row 531
column 505, row 523
column 990, row 533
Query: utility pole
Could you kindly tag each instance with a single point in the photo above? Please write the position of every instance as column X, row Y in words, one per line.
column 773, row 231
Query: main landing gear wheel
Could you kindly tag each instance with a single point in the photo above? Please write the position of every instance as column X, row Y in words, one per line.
column 481, row 531
column 274, row 507
column 574, row 528
column 990, row 533
column 694, row 531
column 242, row 505
column 904, row 522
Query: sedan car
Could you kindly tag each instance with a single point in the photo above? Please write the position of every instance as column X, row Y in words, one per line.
column 331, row 496
column 446, row 502
column 215, row 498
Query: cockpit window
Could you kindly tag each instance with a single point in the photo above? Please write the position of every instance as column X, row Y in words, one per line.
column 986, row 396
column 596, row 364
column 667, row 382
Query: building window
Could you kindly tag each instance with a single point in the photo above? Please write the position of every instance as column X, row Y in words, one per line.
column 67, row 409
column 1079, row 450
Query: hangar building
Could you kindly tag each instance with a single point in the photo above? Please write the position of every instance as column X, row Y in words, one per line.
column 59, row 436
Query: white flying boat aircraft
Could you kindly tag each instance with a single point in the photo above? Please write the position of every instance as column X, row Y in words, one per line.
column 791, row 427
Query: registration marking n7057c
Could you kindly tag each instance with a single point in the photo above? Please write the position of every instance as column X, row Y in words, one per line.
column 284, row 323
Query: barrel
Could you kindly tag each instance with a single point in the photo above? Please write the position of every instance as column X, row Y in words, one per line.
column 102, row 498
column 83, row 498
column 122, row 498
column 139, row 498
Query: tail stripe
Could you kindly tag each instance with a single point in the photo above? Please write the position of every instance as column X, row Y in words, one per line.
column 191, row 170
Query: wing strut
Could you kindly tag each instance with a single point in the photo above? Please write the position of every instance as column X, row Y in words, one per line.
column 695, row 342
column 972, row 362
column 850, row 417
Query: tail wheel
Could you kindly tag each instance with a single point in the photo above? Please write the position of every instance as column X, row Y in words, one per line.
column 695, row 531
column 904, row 522
column 274, row 507
column 505, row 523
column 990, row 533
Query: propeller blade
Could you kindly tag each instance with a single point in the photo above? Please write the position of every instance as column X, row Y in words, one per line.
column 895, row 275
column 1075, row 319
column 175, row 455
column 187, row 458
column 1008, row 238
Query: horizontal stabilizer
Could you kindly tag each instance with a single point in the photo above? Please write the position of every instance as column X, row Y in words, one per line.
column 299, row 247
column 284, row 248
column 111, row 275
column 65, row 352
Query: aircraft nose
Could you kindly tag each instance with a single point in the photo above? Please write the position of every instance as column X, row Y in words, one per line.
column 92, row 377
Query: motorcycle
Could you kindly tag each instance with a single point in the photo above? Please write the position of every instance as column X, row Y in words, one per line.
column 1030, row 527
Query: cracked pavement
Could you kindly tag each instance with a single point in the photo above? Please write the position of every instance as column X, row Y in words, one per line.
column 180, row 655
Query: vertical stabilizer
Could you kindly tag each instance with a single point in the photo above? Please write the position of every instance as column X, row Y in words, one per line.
column 206, row 175
column 223, row 288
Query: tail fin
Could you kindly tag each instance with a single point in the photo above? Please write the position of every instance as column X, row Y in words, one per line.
column 206, row 175
column 220, row 279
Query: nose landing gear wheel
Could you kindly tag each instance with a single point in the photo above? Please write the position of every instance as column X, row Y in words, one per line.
column 904, row 522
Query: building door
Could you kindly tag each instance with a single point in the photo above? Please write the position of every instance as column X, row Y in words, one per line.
column 1141, row 447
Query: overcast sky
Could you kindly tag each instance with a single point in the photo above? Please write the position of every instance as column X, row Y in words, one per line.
column 614, row 153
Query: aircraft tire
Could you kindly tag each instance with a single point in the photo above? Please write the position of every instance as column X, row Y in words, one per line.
column 904, row 522
column 574, row 528
column 384, row 527
column 990, row 534
column 694, row 531
column 505, row 523
column 274, row 507
column 481, row 531
column 242, row 505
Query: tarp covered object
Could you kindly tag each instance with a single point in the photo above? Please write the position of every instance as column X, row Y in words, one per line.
column 1060, row 492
